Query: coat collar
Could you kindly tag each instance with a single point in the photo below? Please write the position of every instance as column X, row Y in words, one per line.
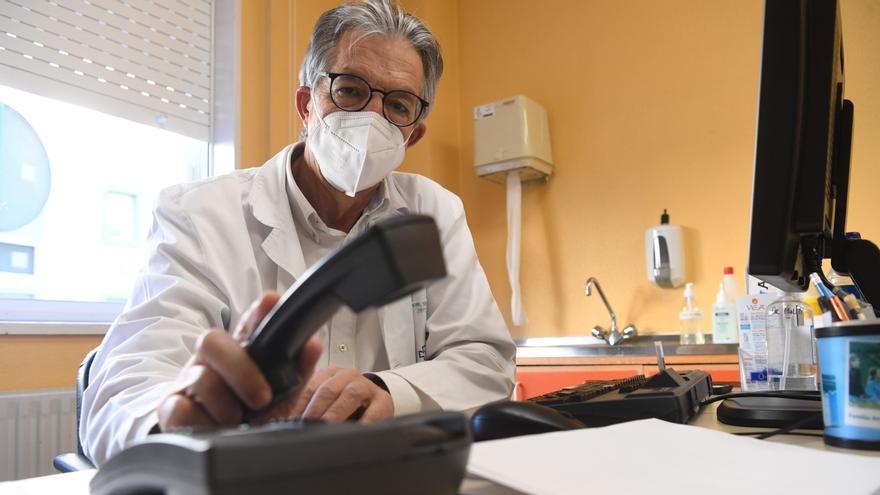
column 270, row 206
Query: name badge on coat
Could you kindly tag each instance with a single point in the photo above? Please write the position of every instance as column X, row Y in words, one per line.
column 420, row 321
column 404, row 329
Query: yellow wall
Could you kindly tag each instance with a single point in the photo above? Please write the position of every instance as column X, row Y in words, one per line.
column 42, row 361
column 651, row 104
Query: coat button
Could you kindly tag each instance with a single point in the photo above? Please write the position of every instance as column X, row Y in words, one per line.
column 343, row 347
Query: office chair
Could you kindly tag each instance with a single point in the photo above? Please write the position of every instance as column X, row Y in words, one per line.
column 78, row 461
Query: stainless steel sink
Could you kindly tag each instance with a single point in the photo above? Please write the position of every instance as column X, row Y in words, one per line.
column 565, row 341
column 642, row 345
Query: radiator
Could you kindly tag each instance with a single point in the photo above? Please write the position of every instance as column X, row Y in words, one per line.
column 35, row 426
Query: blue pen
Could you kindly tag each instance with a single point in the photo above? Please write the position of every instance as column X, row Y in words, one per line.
column 824, row 291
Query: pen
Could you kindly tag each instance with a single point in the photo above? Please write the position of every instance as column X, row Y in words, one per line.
column 855, row 309
column 817, row 281
column 826, row 306
column 848, row 301
column 838, row 308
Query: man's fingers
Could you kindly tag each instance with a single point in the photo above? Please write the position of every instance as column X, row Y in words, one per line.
column 178, row 410
column 208, row 390
column 254, row 315
column 352, row 397
column 378, row 410
column 346, row 393
column 221, row 375
column 219, row 351
column 305, row 395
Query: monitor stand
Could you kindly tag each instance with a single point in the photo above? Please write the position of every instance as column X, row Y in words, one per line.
column 862, row 258
column 771, row 412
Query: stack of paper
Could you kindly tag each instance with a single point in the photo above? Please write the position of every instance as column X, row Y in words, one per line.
column 654, row 457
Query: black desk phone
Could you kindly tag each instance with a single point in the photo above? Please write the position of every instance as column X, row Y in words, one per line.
column 390, row 260
column 423, row 453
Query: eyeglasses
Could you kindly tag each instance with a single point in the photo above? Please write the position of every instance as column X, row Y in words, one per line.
column 353, row 94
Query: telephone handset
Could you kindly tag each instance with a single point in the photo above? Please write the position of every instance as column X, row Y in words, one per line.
column 429, row 450
column 392, row 259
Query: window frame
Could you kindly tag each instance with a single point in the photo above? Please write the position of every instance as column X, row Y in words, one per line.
column 29, row 316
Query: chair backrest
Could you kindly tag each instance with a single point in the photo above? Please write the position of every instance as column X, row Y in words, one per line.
column 82, row 381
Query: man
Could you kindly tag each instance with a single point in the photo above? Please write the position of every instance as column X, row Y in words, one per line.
column 223, row 248
column 856, row 389
column 872, row 388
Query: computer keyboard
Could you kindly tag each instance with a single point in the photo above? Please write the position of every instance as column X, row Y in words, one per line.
column 668, row 395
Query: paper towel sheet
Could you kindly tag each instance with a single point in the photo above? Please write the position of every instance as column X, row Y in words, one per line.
column 514, row 226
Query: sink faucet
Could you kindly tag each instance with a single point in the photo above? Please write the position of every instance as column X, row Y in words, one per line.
column 614, row 336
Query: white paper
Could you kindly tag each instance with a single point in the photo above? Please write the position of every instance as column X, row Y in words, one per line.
column 655, row 457
column 514, row 226
column 74, row 483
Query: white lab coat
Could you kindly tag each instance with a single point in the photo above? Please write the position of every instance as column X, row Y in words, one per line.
column 217, row 244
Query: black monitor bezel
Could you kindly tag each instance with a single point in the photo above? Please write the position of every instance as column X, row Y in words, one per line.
column 798, row 143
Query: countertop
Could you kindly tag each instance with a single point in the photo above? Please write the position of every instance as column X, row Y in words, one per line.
column 638, row 346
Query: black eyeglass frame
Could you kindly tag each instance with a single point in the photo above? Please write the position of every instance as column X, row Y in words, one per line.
column 333, row 75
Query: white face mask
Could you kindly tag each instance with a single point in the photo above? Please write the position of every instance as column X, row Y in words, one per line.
column 356, row 150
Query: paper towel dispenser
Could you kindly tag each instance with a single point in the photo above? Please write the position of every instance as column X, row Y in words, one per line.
column 512, row 146
column 512, row 134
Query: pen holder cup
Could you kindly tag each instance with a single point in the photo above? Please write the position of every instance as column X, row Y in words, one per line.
column 849, row 364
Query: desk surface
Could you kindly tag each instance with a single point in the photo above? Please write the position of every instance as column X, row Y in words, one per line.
column 78, row 483
column 709, row 419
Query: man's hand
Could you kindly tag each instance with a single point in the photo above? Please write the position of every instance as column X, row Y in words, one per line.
column 221, row 378
column 337, row 394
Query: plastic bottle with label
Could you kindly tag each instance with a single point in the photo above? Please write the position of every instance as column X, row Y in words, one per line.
column 691, row 319
column 731, row 287
column 724, row 329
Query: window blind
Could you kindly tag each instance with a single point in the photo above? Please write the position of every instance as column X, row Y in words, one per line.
column 144, row 60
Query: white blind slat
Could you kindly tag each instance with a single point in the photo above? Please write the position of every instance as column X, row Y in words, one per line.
column 194, row 28
column 73, row 76
column 153, row 55
column 181, row 11
column 200, row 8
column 124, row 72
column 134, row 35
column 116, row 55
column 163, row 34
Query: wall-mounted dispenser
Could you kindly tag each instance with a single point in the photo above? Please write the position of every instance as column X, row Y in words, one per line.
column 664, row 254
column 511, row 146
column 512, row 134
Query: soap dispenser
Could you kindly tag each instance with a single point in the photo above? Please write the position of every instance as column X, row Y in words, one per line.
column 664, row 254
column 691, row 319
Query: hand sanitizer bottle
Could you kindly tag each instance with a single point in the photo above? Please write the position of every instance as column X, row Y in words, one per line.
column 731, row 287
column 723, row 318
column 691, row 319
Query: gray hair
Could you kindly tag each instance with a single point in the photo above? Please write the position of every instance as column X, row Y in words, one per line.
column 382, row 17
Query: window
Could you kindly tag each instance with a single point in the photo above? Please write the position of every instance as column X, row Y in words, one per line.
column 95, row 178
column 102, row 104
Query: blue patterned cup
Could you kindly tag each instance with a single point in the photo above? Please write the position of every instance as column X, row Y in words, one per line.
column 849, row 364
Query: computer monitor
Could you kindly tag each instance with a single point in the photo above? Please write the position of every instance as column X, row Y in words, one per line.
column 802, row 155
